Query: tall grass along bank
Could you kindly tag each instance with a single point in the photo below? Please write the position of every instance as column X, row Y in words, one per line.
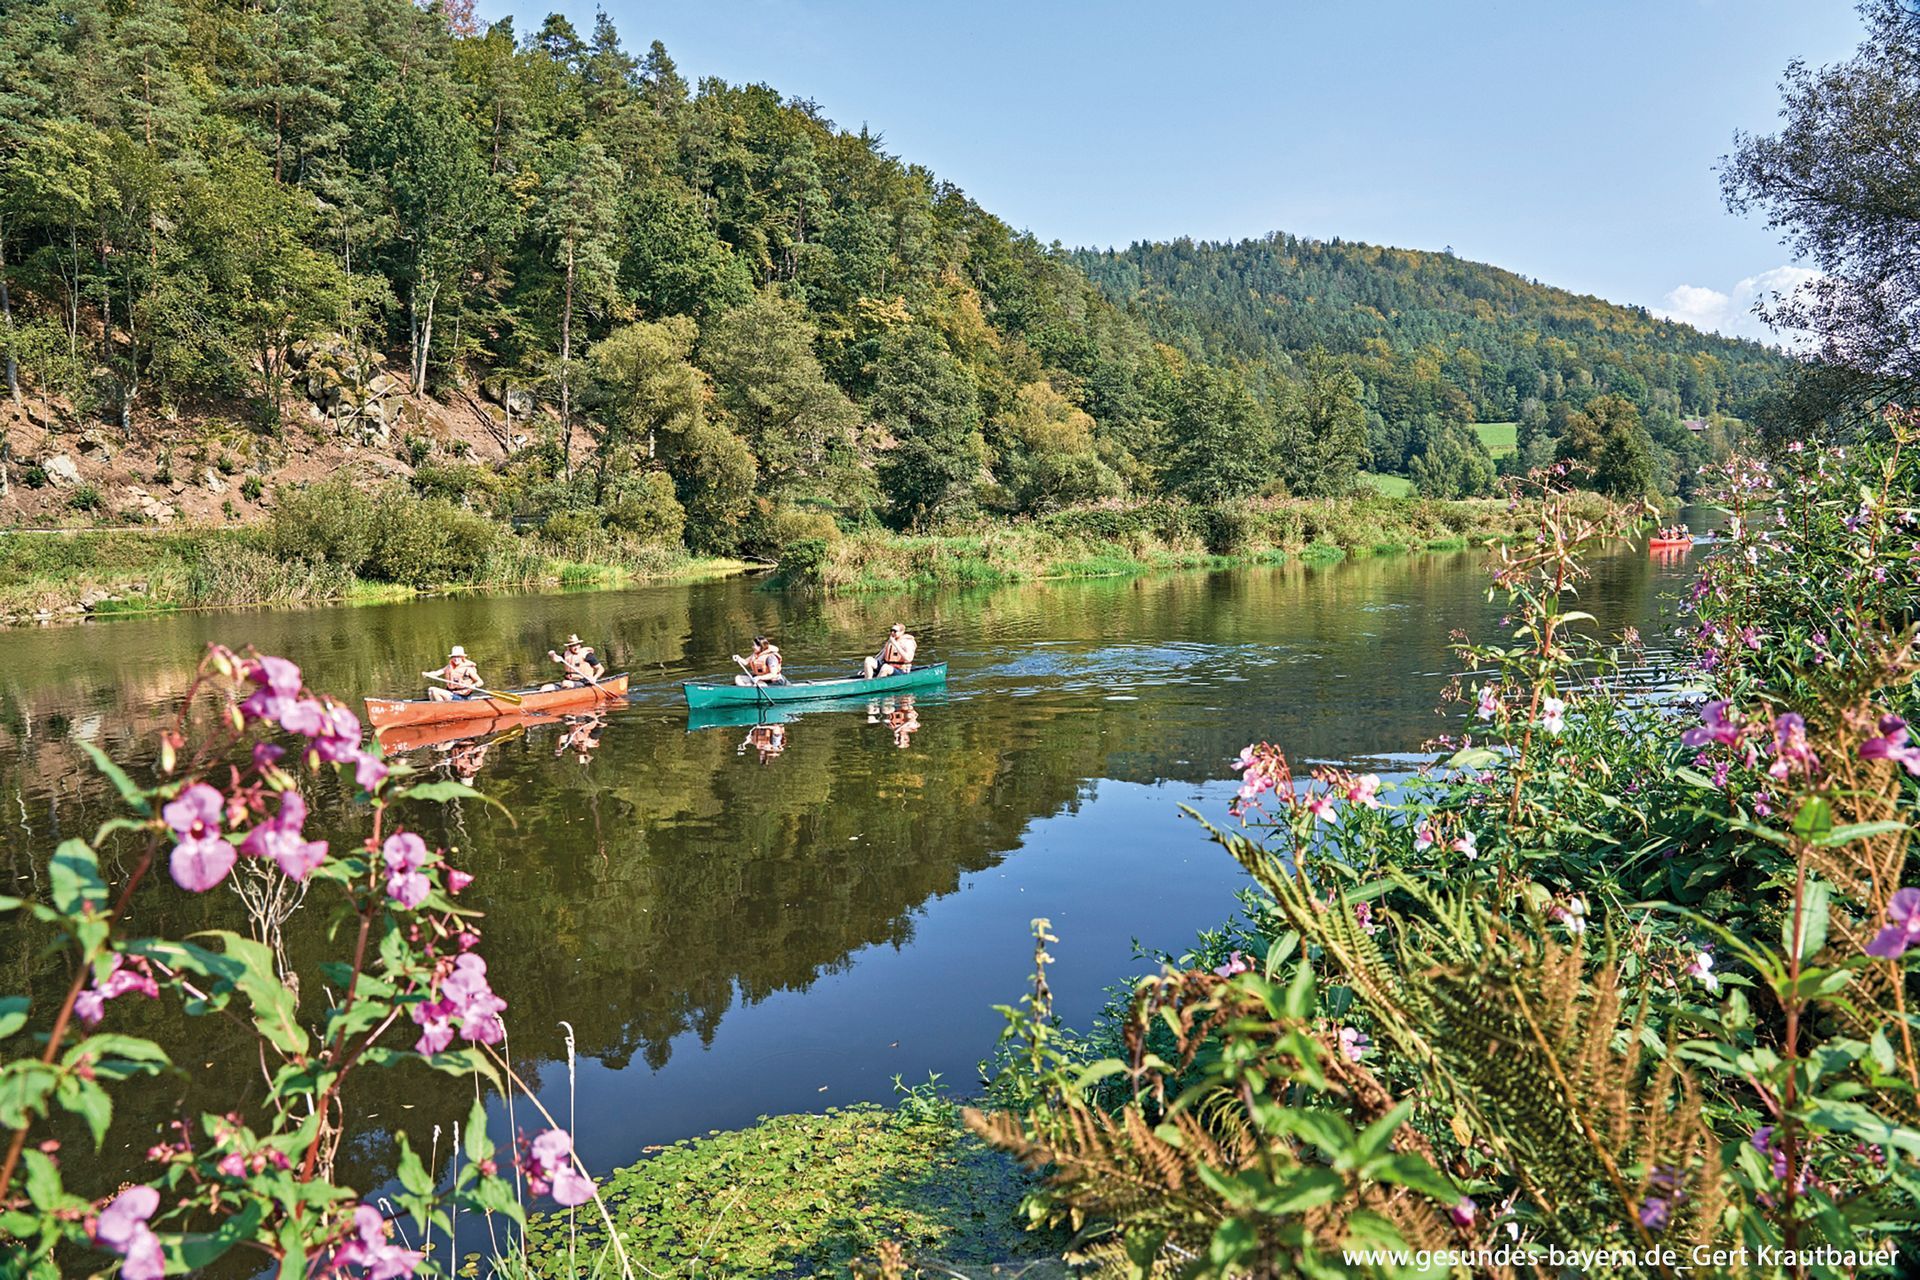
column 1127, row 538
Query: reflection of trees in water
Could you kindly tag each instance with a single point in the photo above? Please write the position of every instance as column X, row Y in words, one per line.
column 641, row 895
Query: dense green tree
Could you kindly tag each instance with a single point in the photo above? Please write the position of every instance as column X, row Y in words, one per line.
column 1454, row 464
column 1322, row 430
column 776, row 395
column 1609, row 448
column 928, row 401
column 673, row 263
column 1048, row 455
column 650, row 396
column 1222, row 439
column 1840, row 180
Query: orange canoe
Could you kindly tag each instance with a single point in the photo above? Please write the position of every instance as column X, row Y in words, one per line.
column 1668, row 544
column 385, row 713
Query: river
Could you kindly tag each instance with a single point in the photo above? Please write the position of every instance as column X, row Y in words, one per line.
column 732, row 930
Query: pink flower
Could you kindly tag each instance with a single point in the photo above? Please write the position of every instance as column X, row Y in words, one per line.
column 1424, row 836
column 279, row 838
column 1321, row 807
column 405, row 854
column 1466, row 847
column 122, row 1228
column 1903, row 927
column 1892, row 744
column 1716, row 726
column 436, row 1026
column 1354, row 1043
column 1573, row 914
column 199, row 865
column 404, row 851
column 1364, row 789
column 233, row 1165
column 473, row 1000
column 307, row 717
column 1553, row 714
column 279, row 682
column 457, row 879
column 369, row 1249
column 1236, row 963
column 369, row 770
column 338, row 741
column 126, row 975
column 1464, row 1212
column 1489, row 703
column 1791, row 752
column 549, row 1165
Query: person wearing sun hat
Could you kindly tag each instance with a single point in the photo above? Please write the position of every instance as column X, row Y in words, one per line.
column 896, row 654
column 461, row 677
column 582, row 665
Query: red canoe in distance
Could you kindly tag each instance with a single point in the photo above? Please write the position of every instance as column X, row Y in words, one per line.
column 392, row 713
column 1668, row 544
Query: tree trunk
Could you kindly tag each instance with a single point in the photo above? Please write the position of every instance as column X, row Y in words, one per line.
column 566, row 371
column 422, row 325
column 6, row 323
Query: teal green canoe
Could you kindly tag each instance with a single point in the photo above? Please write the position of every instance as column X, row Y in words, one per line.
column 744, row 695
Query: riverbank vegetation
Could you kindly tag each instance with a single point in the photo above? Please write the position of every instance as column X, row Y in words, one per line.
column 1132, row 538
column 541, row 277
column 419, row 549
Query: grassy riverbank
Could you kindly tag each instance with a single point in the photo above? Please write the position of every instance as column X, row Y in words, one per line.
column 1116, row 540
column 53, row 576
column 809, row 1195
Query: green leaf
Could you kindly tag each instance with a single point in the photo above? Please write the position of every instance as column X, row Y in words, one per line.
column 24, row 1088
column 74, row 875
column 412, row 1173
column 13, row 1014
column 274, row 1009
column 1409, row 1170
column 1815, row 902
column 136, row 799
column 478, row 1145
column 43, row 1181
column 1233, row 1243
column 1851, row 831
column 1814, row 822
column 202, row 1249
column 90, row 1102
column 1375, row 1137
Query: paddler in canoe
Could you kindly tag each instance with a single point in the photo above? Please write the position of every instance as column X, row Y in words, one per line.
column 581, row 664
column 895, row 656
column 762, row 666
column 460, row 678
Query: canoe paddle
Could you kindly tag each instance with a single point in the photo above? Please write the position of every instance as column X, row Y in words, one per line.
column 513, row 698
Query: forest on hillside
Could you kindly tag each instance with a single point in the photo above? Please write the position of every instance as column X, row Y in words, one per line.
column 1438, row 342
column 698, row 312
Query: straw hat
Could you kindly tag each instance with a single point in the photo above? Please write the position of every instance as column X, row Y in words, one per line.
column 572, row 640
column 458, row 651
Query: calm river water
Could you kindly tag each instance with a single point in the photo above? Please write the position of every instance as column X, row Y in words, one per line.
column 733, row 931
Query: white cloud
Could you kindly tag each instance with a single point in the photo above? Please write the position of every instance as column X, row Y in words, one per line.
column 1731, row 312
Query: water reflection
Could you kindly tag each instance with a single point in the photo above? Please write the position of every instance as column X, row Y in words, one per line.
column 740, row 909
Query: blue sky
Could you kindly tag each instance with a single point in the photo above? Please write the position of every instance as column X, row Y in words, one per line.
column 1569, row 140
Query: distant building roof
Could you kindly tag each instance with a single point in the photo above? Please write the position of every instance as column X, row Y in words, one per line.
column 1694, row 424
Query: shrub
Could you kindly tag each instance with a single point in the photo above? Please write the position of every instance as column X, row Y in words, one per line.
column 1229, row 528
column 252, row 487
column 86, row 498
column 424, row 542
column 462, row 482
column 644, row 507
column 326, row 523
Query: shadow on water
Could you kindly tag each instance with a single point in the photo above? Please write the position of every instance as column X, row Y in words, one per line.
column 784, row 913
